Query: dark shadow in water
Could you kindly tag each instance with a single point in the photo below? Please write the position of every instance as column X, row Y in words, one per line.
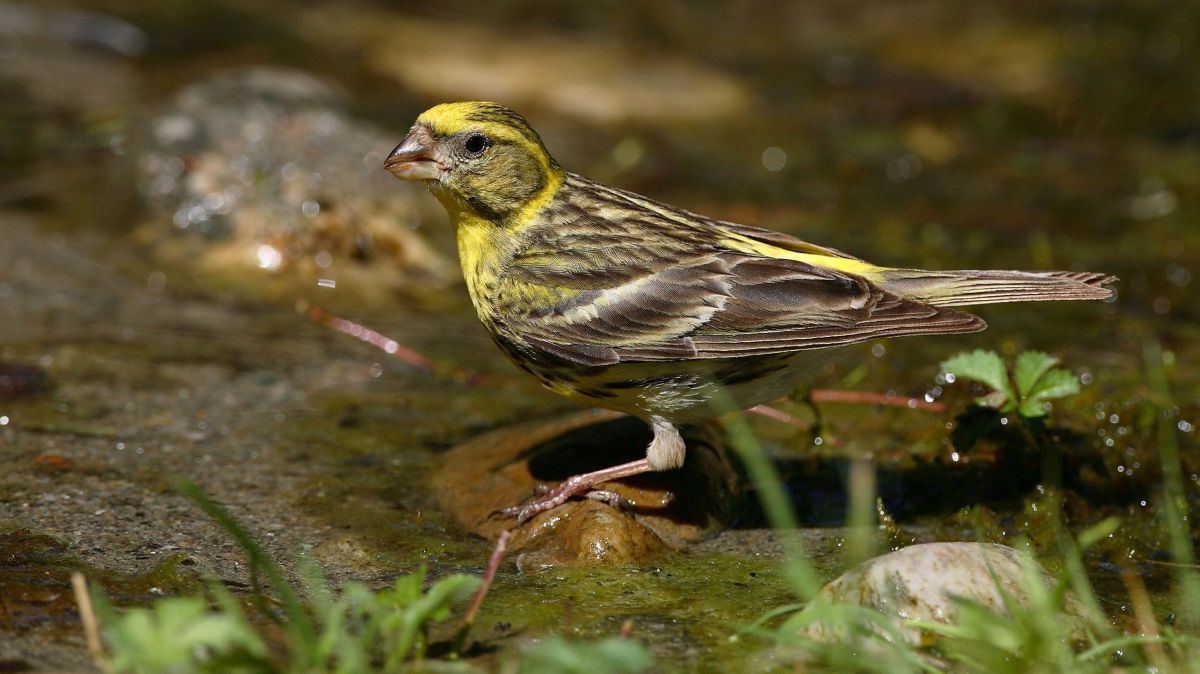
column 1005, row 470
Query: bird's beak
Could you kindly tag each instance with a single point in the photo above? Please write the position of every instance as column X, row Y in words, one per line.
column 413, row 158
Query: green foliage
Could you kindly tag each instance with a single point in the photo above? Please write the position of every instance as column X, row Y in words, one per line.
column 367, row 631
column 358, row 630
column 1043, row 633
column 1033, row 380
column 355, row 630
column 1059, row 628
column 1038, row 634
column 614, row 655
column 181, row 634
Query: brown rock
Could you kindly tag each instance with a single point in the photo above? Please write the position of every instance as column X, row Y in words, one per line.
column 502, row 468
column 584, row 532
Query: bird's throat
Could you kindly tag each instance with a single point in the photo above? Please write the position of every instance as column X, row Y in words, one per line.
column 480, row 247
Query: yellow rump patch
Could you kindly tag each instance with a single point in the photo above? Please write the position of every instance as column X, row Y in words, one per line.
column 843, row 264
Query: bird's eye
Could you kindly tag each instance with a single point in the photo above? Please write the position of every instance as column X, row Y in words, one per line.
column 476, row 144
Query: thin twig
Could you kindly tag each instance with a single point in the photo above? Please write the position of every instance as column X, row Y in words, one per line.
column 376, row 339
column 390, row 346
column 781, row 416
column 87, row 615
column 825, row 395
column 476, row 601
column 488, row 575
column 1143, row 613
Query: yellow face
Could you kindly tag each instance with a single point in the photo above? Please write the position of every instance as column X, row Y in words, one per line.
column 477, row 155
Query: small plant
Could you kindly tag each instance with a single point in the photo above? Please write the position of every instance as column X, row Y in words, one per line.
column 355, row 630
column 359, row 631
column 181, row 634
column 1032, row 381
column 1026, row 637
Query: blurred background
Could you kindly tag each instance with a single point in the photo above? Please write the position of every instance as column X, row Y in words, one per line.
column 192, row 192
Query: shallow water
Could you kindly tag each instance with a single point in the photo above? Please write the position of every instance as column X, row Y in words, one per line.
column 941, row 136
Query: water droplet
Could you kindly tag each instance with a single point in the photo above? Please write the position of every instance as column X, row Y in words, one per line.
column 1155, row 204
column 627, row 153
column 268, row 257
column 774, row 159
column 903, row 168
column 156, row 281
column 214, row 201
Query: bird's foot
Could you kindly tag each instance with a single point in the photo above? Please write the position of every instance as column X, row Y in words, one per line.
column 548, row 498
column 610, row 497
column 575, row 486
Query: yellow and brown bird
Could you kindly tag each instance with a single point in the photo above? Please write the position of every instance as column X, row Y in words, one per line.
column 624, row 302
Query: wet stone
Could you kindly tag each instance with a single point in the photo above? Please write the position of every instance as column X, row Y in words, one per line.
column 260, row 182
column 585, row 532
column 670, row 510
column 922, row 583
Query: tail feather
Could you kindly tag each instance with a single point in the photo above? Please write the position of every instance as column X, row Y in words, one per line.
column 968, row 287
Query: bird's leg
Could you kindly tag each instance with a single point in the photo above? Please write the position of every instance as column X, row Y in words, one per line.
column 666, row 451
column 573, row 486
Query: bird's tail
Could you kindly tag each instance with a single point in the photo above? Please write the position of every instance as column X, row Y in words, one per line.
column 967, row 287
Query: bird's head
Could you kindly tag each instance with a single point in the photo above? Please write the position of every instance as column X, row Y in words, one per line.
column 476, row 155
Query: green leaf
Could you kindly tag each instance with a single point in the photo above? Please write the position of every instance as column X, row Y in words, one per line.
column 987, row 368
column 408, row 612
column 1030, row 367
column 1054, row 384
column 180, row 634
column 1098, row 532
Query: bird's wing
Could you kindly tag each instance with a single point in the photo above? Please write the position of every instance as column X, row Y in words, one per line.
column 723, row 304
column 781, row 240
column 597, row 234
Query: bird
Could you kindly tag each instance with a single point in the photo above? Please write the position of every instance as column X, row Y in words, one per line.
column 620, row 301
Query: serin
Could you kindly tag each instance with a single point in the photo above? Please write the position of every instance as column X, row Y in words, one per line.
column 624, row 302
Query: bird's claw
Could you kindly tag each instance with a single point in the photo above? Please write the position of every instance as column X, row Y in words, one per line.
column 553, row 497
column 610, row 497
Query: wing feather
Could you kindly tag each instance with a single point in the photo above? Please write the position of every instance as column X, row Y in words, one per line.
column 729, row 305
column 649, row 282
